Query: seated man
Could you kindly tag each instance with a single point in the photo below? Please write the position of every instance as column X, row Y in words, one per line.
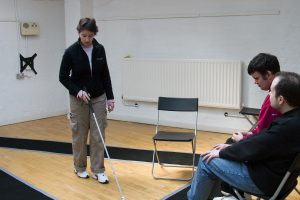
column 262, row 68
column 257, row 164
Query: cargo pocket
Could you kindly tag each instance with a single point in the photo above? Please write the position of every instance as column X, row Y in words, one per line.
column 74, row 122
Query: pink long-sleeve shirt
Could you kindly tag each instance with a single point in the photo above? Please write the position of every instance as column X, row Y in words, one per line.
column 267, row 114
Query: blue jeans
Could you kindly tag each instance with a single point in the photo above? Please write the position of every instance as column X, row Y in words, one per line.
column 208, row 174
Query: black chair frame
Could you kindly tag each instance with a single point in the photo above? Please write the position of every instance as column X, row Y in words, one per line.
column 175, row 105
column 284, row 189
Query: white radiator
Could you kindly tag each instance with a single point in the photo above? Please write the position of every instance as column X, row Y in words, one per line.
column 217, row 83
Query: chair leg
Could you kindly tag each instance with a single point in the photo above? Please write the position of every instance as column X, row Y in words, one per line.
column 153, row 159
column 297, row 190
column 194, row 152
column 153, row 164
column 238, row 194
column 155, row 154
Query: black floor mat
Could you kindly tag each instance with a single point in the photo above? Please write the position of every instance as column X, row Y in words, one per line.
column 114, row 152
column 13, row 189
column 180, row 195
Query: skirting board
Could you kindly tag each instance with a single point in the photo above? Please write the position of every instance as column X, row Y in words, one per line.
column 32, row 117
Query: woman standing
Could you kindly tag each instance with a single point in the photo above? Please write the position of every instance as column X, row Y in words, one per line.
column 84, row 72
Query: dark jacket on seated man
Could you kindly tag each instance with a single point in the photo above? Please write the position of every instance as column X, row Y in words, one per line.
column 280, row 142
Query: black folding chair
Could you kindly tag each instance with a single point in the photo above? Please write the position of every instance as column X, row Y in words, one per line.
column 254, row 112
column 286, row 186
column 181, row 105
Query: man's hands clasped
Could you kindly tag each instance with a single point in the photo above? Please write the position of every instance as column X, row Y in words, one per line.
column 214, row 153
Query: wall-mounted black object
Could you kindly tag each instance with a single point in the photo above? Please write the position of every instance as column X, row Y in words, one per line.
column 24, row 62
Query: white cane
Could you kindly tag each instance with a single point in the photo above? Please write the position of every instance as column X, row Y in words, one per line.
column 111, row 165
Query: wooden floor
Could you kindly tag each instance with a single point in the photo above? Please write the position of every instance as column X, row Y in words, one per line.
column 53, row 173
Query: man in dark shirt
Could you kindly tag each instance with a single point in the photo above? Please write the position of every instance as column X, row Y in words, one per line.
column 257, row 164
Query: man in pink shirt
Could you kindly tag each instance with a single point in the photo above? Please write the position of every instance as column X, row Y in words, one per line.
column 266, row 115
column 262, row 68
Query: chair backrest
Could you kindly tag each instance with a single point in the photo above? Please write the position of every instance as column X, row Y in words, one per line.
column 287, row 184
column 290, row 180
column 178, row 104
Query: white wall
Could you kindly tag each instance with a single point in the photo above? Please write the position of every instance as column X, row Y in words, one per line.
column 35, row 96
column 208, row 29
column 198, row 29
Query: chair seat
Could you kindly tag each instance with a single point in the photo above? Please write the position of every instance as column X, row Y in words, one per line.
column 174, row 136
column 249, row 111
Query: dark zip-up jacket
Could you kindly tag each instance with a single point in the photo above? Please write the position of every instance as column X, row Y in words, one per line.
column 269, row 154
column 75, row 72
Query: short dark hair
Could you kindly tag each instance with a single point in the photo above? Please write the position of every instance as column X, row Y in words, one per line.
column 262, row 63
column 87, row 24
column 288, row 87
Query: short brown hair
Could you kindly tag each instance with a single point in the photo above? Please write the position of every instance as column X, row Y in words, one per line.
column 262, row 63
column 87, row 24
column 289, row 87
